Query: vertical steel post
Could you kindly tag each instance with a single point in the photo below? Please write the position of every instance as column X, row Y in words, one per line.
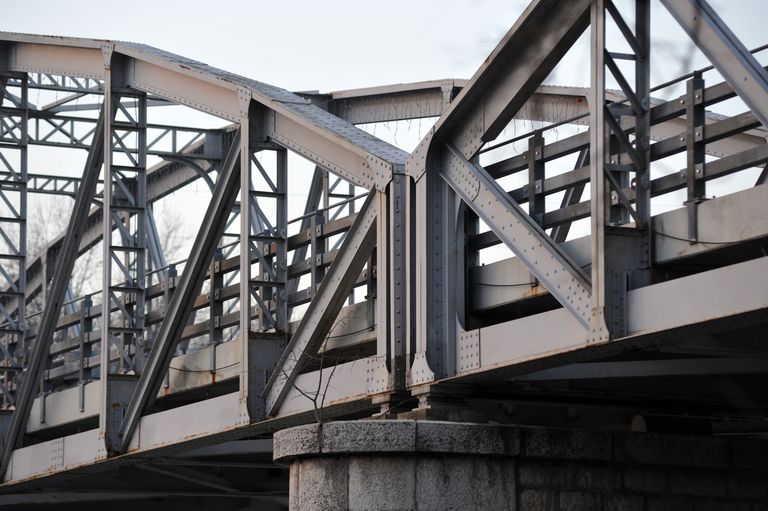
column 435, row 271
column 397, row 278
column 245, row 253
column 383, row 347
column 86, row 326
column 309, row 221
column 124, row 210
column 106, row 310
column 269, row 243
column 215, row 305
column 14, row 138
column 695, row 184
column 281, row 242
column 643, row 118
column 599, row 154
column 317, row 251
column 536, row 199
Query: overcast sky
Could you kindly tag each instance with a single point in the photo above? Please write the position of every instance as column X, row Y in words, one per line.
column 325, row 45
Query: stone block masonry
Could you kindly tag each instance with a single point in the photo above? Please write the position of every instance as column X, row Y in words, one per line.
column 429, row 465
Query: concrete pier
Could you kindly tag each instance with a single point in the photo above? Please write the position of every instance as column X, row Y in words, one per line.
column 429, row 465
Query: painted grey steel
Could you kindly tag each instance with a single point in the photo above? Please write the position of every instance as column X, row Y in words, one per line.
column 64, row 407
column 124, row 209
column 508, row 281
column 572, row 196
column 56, row 292
column 314, row 195
column 14, row 187
column 649, row 368
column 155, row 247
column 430, row 330
column 181, row 303
column 497, row 91
column 324, row 308
column 162, row 180
column 564, row 279
column 642, row 36
column 599, row 156
column 743, row 72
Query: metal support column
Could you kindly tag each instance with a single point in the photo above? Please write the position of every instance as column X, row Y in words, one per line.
column 397, row 279
column 268, row 245
column 536, row 198
column 642, row 37
column 14, row 118
column 264, row 240
column 620, row 257
column 436, row 267
column 694, row 137
column 215, row 305
column 125, row 256
column 599, row 150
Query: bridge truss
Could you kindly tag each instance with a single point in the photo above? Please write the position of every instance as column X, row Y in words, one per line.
column 467, row 280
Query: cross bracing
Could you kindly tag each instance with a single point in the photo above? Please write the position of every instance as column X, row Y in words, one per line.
column 375, row 300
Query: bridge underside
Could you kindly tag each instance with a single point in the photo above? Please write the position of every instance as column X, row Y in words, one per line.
column 606, row 270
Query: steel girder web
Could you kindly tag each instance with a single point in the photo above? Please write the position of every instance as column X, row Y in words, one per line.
column 180, row 306
column 739, row 67
column 56, row 293
column 325, row 306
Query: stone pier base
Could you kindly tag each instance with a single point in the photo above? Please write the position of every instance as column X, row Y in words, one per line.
column 427, row 465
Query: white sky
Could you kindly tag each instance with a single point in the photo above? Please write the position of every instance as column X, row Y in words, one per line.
column 325, row 45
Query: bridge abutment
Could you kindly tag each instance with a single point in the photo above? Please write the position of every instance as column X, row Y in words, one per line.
column 430, row 465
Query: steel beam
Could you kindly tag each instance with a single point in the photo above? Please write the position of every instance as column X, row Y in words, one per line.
column 563, row 278
column 313, row 203
column 725, row 51
column 679, row 367
column 124, row 259
column 193, row 476
column 495, row 94
column 324, row 308
column 155, row 247
column 14, row 187
column 599, row 154
column 50, row 316
column 507, row 78
column 182, row 300
column 726, row 297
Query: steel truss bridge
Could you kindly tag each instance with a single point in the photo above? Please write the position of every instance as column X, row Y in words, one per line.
column 376, row 300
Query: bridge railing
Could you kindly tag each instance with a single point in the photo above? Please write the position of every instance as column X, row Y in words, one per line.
column 692, row 150
column 75, row 352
